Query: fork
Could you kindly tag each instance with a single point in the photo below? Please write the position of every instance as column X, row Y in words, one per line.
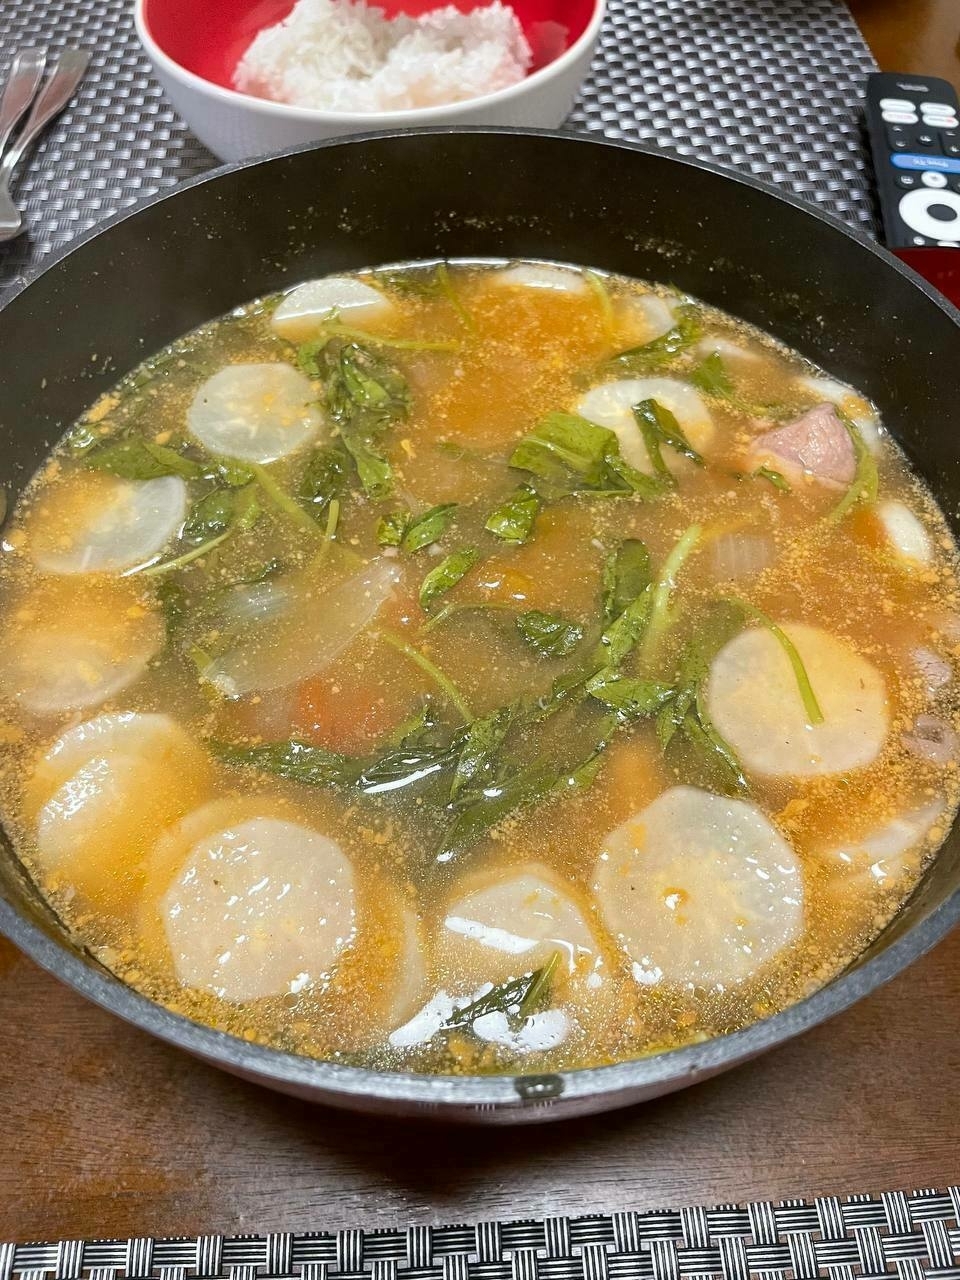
column 49, row 102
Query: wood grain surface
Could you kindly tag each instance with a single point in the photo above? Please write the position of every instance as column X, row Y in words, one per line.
column 107, row 1132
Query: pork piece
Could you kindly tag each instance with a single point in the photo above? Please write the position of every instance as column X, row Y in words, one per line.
column 816, row 444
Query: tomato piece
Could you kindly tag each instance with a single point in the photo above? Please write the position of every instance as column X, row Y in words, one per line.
column 348, row 718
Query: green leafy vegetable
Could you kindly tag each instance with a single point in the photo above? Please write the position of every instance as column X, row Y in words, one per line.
column 405, row 766
column 659, row 427
column 778, row 480
column 661, row 350
column 391, row 528
column 513, row 520
column 621, row 637
column 175, row 605
column 711, row 376
column 429, row 283
column 600, row 291
column 570, row 454
column 548, row 633
column 866, row 480
column 659, row 617
column 447, row 574
column 626, row 572
column 212, row 515
column 398, row 529
column 517, row 999
column 421, row 660
column 326, row 479
column 137, row 459
column 475, row 820
column 298, row 761
column 807, row 696
column 477, row 760
column 630, row 698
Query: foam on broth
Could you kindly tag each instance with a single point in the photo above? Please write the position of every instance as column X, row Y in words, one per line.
column 522, row 839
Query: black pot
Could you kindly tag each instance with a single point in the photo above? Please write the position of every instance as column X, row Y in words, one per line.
column 149, row 276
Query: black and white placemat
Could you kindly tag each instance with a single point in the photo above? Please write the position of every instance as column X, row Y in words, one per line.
column 906, row 1236
column 770, row 86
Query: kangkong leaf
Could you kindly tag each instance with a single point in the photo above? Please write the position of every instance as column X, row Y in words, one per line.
column 548, row 633
column 447, row 574
column 137, row 459
column 513, row 520
column 517, row 998
column 298, row 761
column 626, row 572
column 570, row 454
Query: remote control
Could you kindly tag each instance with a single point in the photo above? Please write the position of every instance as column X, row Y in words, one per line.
column 914, row 127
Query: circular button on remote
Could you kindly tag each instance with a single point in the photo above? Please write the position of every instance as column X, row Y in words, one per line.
column 934, row 179
column 932, row 213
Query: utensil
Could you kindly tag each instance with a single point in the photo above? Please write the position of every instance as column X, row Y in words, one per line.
column 817, row 285
column 26, row 72
column 194, row 50
column 59, row 89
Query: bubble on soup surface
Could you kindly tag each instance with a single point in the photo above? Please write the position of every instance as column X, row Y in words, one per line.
column 504, row 927
column 302, row 311
column 96, row 523
column 261, row 908
column 611, row 404
column 542, row 275
column 699, row 890
column 306, row 627
column 255, row 412
column 905, row 534
column 102, row 794
column 754, row 702
column 857, row 408
column 69, row 648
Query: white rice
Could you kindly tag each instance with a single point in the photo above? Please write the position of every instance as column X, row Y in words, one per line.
column 335, row 55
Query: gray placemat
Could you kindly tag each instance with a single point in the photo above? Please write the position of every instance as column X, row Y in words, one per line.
column 910, row 1237
column 770, row 86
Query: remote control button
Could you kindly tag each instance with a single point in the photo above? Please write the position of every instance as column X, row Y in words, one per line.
column 932, row 213
column 945, row 164
column 948, row 244
column 952, row 148
column 942, row 122
column 937, row 109
column 895, row 104
column 934, row 179
column 900, row 117
column 907, row 180
column 927, row 139
column 917, row 240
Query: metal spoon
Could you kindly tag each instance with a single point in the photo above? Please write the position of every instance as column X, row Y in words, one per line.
column 26, row 72
column 59, row 89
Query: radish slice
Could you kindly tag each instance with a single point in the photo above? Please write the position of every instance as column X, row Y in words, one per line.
column 644, row 318
column 610, row 405
column 106, row 790
column 857, row 408
column 741, row 555
column 699, row 889
column 301, row 313
column 68, row 652
column 410, row 975
column 510, row 925
column 885, row 853
column 260, row 908
column 546, row 1029
column 255, row 412
column 906, row 535
column 95, row 523
column 305, row 633
column 753, row 700
column 541, row 275
column 714, row 344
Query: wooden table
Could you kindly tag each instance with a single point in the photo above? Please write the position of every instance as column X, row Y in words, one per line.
column 108, row 1132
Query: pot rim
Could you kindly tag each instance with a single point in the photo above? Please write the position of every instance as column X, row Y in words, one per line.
column 441, row 1093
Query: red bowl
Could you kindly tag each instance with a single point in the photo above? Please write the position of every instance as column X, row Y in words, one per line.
column 209, row 39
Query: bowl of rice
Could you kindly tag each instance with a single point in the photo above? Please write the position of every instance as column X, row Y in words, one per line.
column 255, row 76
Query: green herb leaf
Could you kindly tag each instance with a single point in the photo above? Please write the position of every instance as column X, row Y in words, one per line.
column 477, row 762
column 866, row 480
column 476, row 820
column 137, row 459
column 630, row 698
column 776, row 479
column 660, row 427
column 405, row 766
column 391, row 528
column 664, row 349
column 424, row 530
column 376, row 474
column 517, row 998
column 807, row 696
column 626, row 572
column 212, row 515
column 513, row 520
column 548, row 633
column 623, row 634
column 447, row 574
column 326, row 478
column 571, row 454
column 711, row 376
column 298, row 761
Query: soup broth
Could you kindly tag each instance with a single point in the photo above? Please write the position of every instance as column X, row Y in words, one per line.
column 478, row 667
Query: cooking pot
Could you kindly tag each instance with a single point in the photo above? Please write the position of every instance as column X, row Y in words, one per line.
column 149, row 276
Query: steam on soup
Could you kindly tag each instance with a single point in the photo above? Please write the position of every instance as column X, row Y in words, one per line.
column 478, row 667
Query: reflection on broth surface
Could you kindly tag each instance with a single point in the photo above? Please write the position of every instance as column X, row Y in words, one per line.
column 476, row 667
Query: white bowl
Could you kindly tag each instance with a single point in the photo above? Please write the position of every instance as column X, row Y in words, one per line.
column 236, row 126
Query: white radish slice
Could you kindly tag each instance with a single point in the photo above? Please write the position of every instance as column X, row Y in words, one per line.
column 857, row 408
column 885, row 853
column 714, row 344
column 699, row 889
column 255, row 412
column 300, row 314
column 543, row 1030
column 754, row 702
column 112, row 786
column 644, row 317
column 260, row 908
column 610, row 405
column 409, row 974
column 314, row 626
column 69, row 650
column 741, row 555
column 542, row 275
column 905, row 533
column 95, row 523
column 511, row 924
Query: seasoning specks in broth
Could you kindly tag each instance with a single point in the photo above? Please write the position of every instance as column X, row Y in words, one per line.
column 478, row 667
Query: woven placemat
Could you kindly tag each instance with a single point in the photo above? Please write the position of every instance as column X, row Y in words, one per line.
column 770, row 86
column 858, row 1238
